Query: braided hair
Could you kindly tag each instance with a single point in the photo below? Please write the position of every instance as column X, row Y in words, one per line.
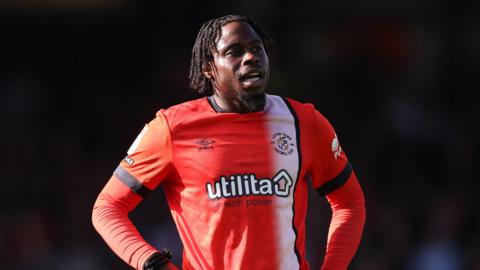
column 205, row 43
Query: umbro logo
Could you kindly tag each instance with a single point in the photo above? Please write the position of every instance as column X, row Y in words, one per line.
column 205, row 144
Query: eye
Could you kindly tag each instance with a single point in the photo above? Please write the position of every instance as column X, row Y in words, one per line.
column 257, row 48
column 233, row 52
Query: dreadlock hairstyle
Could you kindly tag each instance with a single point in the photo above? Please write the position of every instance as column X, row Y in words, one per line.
column 205, row 43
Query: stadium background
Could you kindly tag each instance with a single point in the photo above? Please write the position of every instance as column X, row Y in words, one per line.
column 399, row 80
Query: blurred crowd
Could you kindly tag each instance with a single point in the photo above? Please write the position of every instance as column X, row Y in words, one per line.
column 399, row 82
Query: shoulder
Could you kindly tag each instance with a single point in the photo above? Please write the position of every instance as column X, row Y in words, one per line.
column 188, row 106
column 299, row 104
column 175, row 114
column 301, row 109
column 308, row 115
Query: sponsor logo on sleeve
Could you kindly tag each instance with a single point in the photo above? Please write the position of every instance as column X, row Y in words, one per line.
column 336, row 148
column 129, row 160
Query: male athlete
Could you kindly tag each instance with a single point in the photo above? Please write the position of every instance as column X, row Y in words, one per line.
column 234, row 166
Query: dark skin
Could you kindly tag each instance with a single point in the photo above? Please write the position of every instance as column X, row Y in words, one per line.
column 239, row 71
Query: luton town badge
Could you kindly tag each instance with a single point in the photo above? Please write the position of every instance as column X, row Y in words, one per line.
column 282, row 143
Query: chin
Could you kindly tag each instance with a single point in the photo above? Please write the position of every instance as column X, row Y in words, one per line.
column 253, row 99
column 254, row 90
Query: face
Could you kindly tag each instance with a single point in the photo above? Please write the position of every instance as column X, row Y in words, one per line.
column 240, row 63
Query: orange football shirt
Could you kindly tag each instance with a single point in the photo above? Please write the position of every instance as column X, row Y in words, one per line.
column 236, row 184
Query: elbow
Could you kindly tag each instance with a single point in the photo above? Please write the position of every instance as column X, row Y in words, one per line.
column 95, row 216
column 357, row 207
column 350, row 204
column 100, row 211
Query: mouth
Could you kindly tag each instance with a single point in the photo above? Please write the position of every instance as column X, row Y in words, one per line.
column 252, row 76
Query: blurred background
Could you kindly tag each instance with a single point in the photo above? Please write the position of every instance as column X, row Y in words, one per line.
column 399, row 80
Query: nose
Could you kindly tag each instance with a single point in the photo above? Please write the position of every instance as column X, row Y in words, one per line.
column 250, row 58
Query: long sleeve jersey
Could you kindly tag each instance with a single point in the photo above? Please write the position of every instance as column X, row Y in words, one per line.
column 237, row 187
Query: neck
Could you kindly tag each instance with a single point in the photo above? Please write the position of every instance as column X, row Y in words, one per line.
column 241, row 104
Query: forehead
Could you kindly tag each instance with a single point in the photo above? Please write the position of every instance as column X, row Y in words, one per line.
column 237, row 33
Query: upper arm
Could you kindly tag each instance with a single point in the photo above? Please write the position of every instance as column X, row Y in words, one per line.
column 149, row 159
column 330, row 167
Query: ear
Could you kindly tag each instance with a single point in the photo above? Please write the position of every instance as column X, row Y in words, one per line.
column 207, row 70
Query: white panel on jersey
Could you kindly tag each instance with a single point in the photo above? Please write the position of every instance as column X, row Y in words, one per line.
column 283, row 139
column 137, row 141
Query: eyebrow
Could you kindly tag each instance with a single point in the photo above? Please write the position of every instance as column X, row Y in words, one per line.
column 236, row 44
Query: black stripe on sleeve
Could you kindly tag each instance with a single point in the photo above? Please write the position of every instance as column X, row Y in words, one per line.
column 131, row 181
column 336, row 182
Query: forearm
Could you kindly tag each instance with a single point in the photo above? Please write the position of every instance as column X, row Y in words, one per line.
column 110, row 219
column 346, row 227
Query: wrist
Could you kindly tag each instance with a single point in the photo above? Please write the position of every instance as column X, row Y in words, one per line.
column 157, row 260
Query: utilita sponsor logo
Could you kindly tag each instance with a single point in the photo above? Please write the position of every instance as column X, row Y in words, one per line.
column 249, row 184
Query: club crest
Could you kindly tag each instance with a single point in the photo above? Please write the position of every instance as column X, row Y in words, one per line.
column 282, row 143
